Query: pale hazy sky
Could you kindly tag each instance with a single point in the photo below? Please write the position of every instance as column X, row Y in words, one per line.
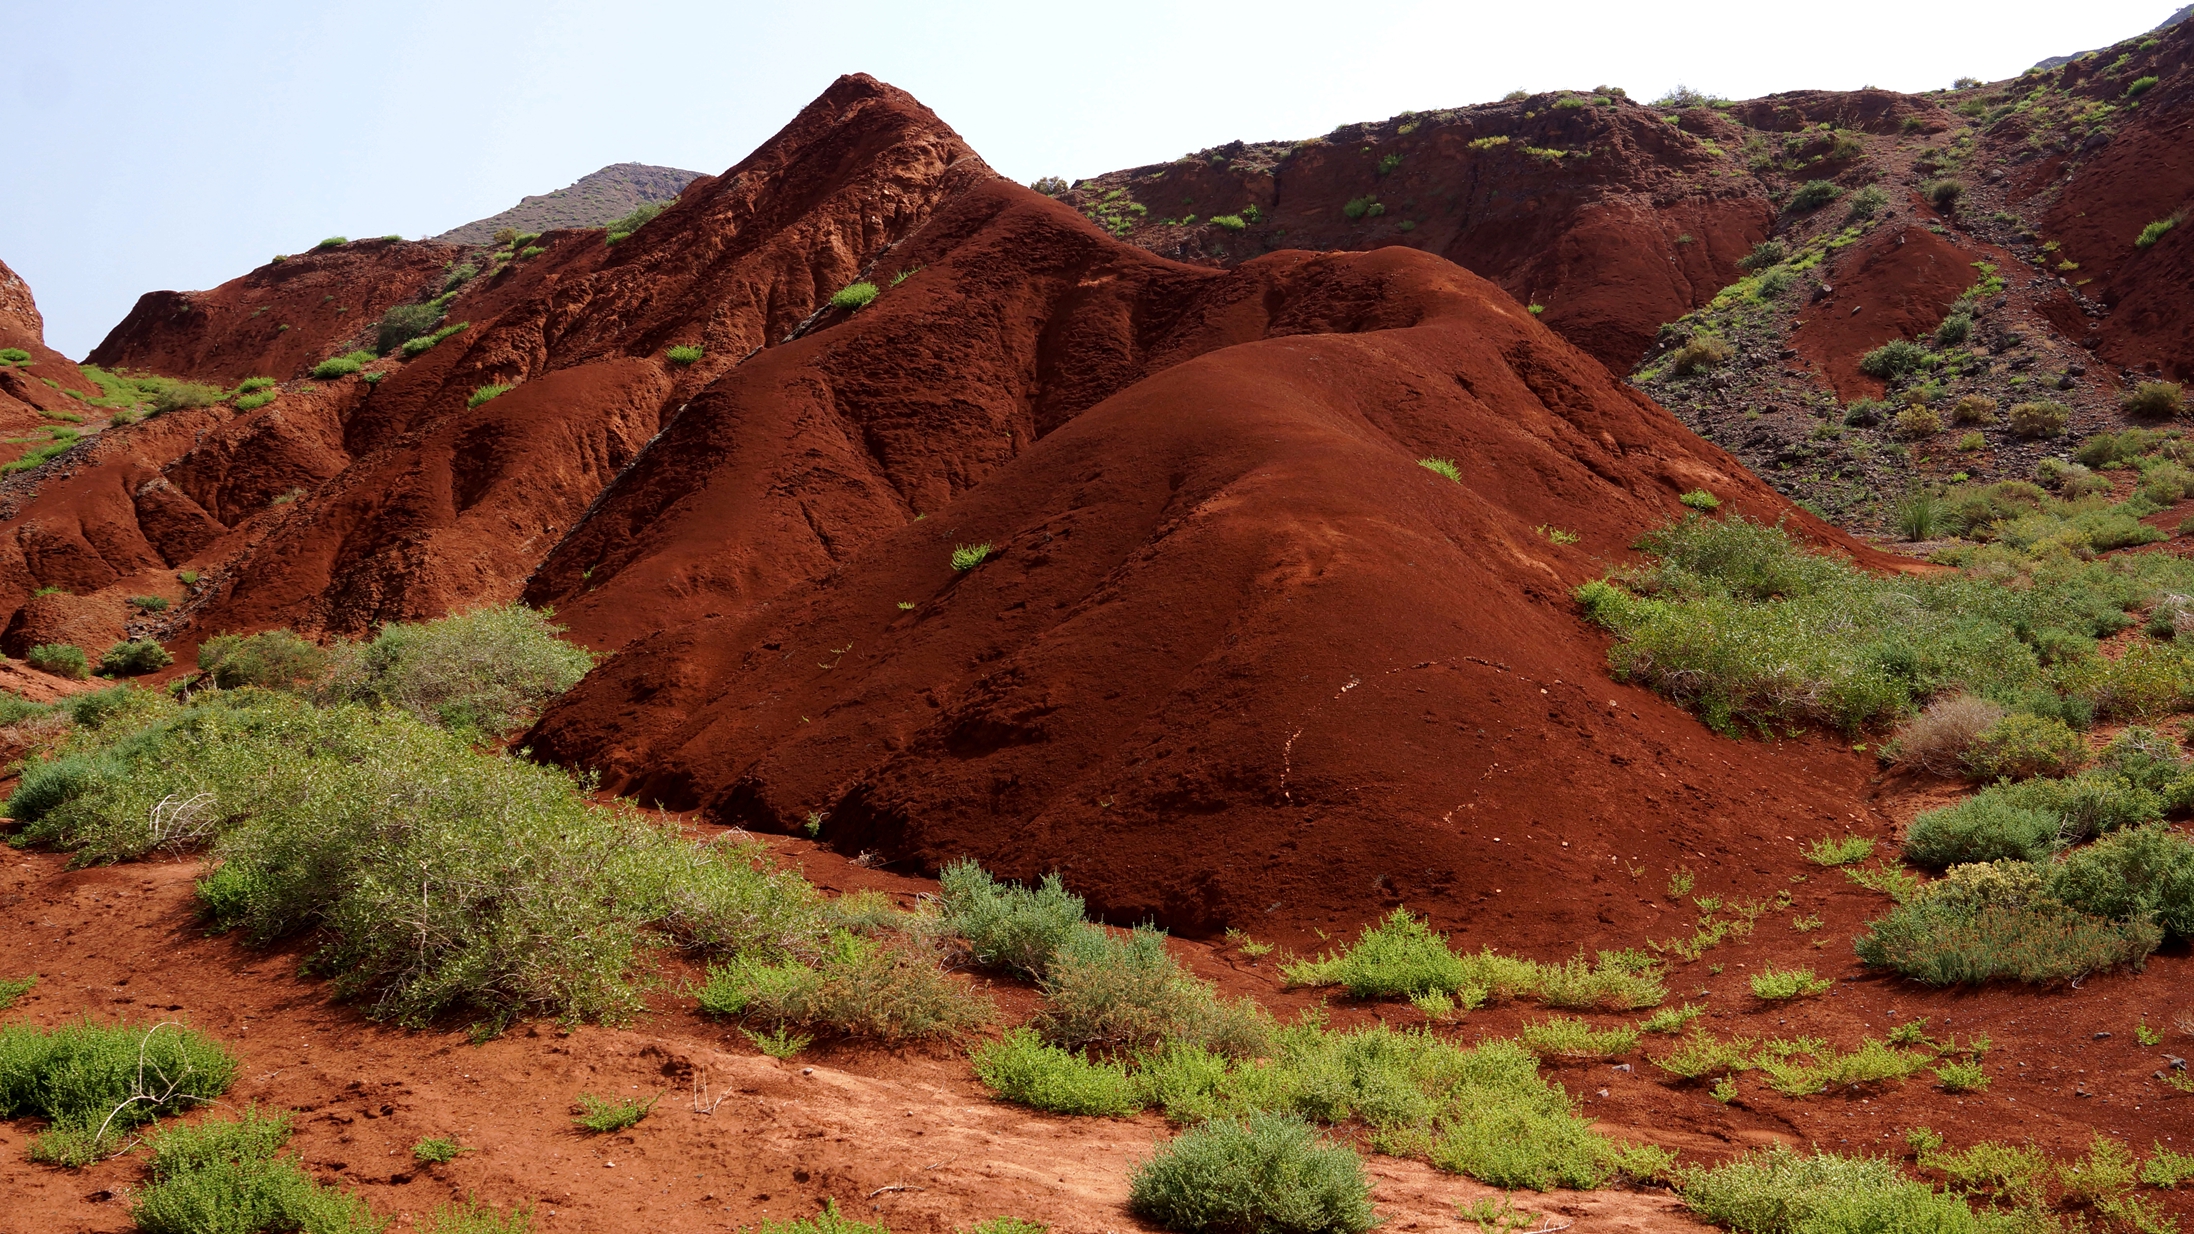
column 170, row 145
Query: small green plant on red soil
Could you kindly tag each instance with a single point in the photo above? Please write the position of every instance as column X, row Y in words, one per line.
column 1671, row 1020
column 60, row 659
column 968, row 556
column 854, row 296
column 683, row 355
column 882, row 989
column 226, row 1175
column 427, row 342
column 484, row 393
column 1843, row 852
column 134, row 658
column 2155, row 231
column 15, row 988
column 343, row 365
column 1572, row 1037
column 1442, row 467
column 470, row 1216
column 602, row 1115
column 1777, row 984
column 2155, row 400
column 1700, row 353
column 1814, row 194
column 828, row 1221
column 331, row 242
column 95, row 1084
column 640, row 217
column 438, row 1150
column 2140, row 86
column 779, row 1042
column 1270, row 1173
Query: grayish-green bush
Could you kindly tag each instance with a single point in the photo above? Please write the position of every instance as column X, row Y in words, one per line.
column 1271, row 1174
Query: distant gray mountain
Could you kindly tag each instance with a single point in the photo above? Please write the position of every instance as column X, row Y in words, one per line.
column 2165, row 24
column 593, row 200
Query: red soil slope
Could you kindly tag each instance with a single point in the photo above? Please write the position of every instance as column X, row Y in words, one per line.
column 1609, row 217
column 2143, row 174
column 1236, row 658
column 35, row 385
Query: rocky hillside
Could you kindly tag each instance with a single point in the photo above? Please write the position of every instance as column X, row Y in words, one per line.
column 590, row 201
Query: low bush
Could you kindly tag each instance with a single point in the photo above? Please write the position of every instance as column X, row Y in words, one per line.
column 641, row 215
column 1442, row 467
column 14, row 355
column 470, row 1216
column 2022, row 746
column 683, row 355
column 1024, row 1069
column 2140, row 86
column 968, row 556
column 1778, row 984
column 1937, row 739
column 1007, row 925
column 166, row 394
column 343, row 365
column 1228, row 222
column 225, row 1177
column 1954, row 330
column 1916, row 422
column 1943, row 194
column 1942, row 941
column 2138, row 874
column 1271, row 1174
column 854, row 296
column 1572, row 1037
column 1702, row 352
column 1846, row 851
column 456, row 275
column 1125, row 992
column 332, row 242
column 275, row 659
column 2155, row 231
column 1895, row 359
column 890, row 989
column 437, row 1150
column 1987, row 827
column 602, row 1115
column 2041, row 418
column 253, row 402
column 1701, row 500
column 427, row 342
column 94, row 1084
column 134, row 658
column 1400, row 957
column 1765, row 254
column 484, row 393
column 490, row 670
column 60, row 659
column 1359, row 208
column 1779, row 1191
column 1973, row 409
column 1814, row 194
column 404, row 323
column 2155, row 400
column 1866, row 203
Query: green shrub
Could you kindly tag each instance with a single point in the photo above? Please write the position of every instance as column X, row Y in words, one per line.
column 1701, row 352
column 1400, row 957
column 343, row 365
column 1572, row 1037
column 1915, row 422
column 1442, row 467
column 1778, row 1191
column 469, row 1216
column 1228, row 222
column 683, row 355
column 1125, row 992
column 2021, row 746
column 134, row 658
column 854, row 296
column 1360, row 208
column 14, row 355
column 166, row 394
column 530, row 252
column 1943, row 193
column 828, row 1221
column 1894, row 359
column 1271, row 1174
column 1764, row 254
column 2154, row 231
column 1957, row 1077
column 1973, row 409
column 2155, row 400
column 276, row 659
column 484, row 393
column 1776, row 984
column 1850, row 849
column 404, row 323
column 1941, row 941
column 458, row 274
column 1866, row 203
column 2039, row 419
column 2140, row 86
column 641, row 215
column 331, row 242
column 602, row 1115
column 60, row 659
column 968, row 556
column 490, row 670
column 15, row 988
column 437, row 1150
column 2138, row 874
column 223, row 1177
column 1814, row 194
column 885, row 990
column 1007, row 925
column 1701, row 500
column 94, row 1084
column 427, row 342
column 1985, row 827
column 253, row 402
column 1024, row 1069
